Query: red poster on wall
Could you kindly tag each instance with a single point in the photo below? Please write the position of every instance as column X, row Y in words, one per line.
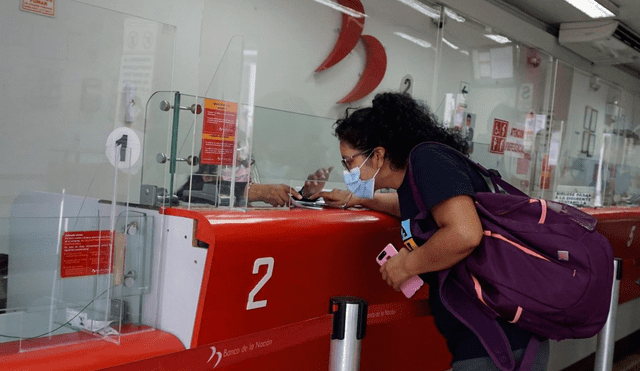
column 499, row 136
column 545, row 174
column 86, row 253
column 218, row 132
column 43, row 7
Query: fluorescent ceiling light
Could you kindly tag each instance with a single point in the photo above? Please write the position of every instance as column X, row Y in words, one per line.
column 464, row 52
column 422, row 8
column 423, row 43
column 451, row 14
column 498, row 39
column 450, row 44
column 591, row 8
column 341, row 8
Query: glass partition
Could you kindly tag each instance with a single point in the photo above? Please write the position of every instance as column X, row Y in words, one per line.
column 289, row 148
column 292, row 127
column 78, row 256
column 72, row 276
column 198, row 148
column 496, row 92
column 161, row 140
column 592, row 142
column 628, row 178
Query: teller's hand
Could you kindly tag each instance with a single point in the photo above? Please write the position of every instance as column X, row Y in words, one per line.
column 273, row 194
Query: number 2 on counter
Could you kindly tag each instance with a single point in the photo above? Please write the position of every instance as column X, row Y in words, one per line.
column 251, row 304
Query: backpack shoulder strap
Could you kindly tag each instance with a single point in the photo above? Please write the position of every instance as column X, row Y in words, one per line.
column 414, row 188
column 465, row 308
column 493, row 175
column 530, row 353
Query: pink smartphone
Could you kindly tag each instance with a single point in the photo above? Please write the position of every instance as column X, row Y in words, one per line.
column 410, row 286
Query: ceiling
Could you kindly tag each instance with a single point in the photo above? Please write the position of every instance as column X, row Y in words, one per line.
column 549, row 14
column 554, row 12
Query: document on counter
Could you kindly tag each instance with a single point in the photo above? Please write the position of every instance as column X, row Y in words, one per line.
column 316, row 205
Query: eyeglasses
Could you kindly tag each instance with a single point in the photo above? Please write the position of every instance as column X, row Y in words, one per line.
column 346, row 161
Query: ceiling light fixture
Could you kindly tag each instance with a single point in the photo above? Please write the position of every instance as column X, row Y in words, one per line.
column 591, row 8
column 423, row 43
column 498, row 39
column 341, row 8
column 422, row 8
column 451, row 14
column 449, row 43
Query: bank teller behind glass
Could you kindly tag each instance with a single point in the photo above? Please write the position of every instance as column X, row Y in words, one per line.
column 203, row 187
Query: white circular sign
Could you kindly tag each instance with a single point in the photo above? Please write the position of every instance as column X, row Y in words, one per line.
column 123, row 147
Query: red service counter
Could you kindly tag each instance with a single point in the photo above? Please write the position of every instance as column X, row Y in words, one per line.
column 92, row 355
column 268, row 278
column 267, row 269
column 621, row 226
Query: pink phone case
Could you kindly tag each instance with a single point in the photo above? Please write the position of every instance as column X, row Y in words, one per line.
column 410, row 286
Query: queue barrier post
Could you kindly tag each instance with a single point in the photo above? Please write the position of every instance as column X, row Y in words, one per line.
column 349, row 327
column 606, row 338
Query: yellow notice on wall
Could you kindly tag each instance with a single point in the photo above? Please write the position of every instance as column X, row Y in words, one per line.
column 43, row 7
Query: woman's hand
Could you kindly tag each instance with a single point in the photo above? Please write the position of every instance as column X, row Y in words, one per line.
column 394, row 271
column 338, row 198
column 385, row 202
column 273, row 194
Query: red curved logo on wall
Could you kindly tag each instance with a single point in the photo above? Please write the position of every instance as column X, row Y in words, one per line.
column 350, row 34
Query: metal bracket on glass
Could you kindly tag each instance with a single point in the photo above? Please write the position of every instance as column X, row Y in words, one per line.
column 194, row 108
column 156, row 196
column 129, row 279
column 589, row 134
column 161, row 158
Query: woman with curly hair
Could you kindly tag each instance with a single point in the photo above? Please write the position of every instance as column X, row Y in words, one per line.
column 377, row 143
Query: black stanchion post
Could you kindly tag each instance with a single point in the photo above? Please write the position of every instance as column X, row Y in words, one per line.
column 349, row 327
column 606, row 337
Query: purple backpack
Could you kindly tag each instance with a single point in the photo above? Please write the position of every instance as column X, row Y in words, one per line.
column 541, row 265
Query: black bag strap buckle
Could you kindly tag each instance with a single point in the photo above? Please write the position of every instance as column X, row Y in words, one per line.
column 495, row 173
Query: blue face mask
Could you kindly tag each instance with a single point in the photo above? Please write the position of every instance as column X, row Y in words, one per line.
column 357, row 186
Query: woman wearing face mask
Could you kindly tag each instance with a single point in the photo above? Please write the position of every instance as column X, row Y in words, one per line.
column 376, row 146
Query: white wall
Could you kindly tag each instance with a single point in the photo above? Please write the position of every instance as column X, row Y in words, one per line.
column 186, row 16
column 296, row 36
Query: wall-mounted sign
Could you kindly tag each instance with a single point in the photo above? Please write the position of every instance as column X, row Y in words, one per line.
column 575, row 195
column 545, row 174
column 525, row 97
column 514, row 145
column 499, row 136
column 353, row 19
column 42, row 7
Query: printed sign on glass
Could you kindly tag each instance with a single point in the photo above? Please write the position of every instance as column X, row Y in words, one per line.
column 218, row 132
column 86, row 253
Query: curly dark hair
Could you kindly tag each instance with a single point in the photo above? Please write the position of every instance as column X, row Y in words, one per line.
column 397, row 123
